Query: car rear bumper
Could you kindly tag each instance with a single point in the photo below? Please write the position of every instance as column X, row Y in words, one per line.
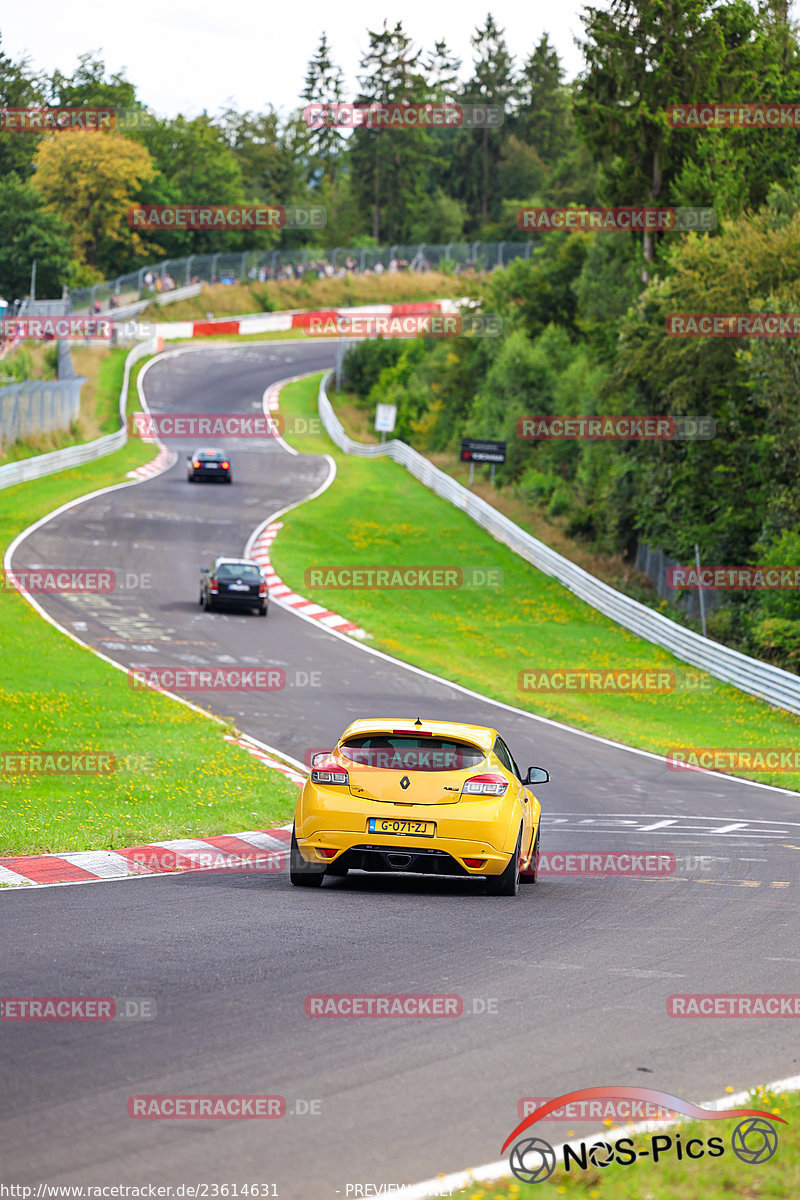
column 199, row 473
column 427, row 856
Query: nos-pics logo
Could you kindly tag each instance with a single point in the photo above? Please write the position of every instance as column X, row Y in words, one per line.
column 533, row 1160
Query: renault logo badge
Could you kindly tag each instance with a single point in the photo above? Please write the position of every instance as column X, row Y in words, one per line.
column 405, row 782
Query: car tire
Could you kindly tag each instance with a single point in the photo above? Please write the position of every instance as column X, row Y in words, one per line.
column 229, row 479
column 207, row 603
column 532, row 875
column 262, row 612
column 200, row 601
column 506, row 884
column 302, row 873
column 338, row 868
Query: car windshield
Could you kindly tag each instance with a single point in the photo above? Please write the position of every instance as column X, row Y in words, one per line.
column 403, row 752
column 238, row 571
column 210, row 455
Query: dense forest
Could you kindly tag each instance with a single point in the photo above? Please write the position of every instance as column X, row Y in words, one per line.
column 583, row 318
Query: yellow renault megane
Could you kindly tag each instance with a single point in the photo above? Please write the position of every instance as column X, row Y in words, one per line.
column 423, row 797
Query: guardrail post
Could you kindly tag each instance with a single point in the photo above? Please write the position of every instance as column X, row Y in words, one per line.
column 500, row 254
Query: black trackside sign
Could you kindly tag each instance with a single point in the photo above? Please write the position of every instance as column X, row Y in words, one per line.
column 482, row 452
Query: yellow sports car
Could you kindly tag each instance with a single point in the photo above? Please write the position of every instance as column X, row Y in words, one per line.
column 424, row 797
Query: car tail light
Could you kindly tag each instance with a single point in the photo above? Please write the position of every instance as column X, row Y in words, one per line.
column 337, row 776
column 196, row 463
column 327, row 853
column 212, row 583
column 485, row 785
column 225, row 466
column 262, row 589
column 474, row 862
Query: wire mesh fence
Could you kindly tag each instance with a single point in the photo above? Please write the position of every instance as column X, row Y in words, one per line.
column 309, row 261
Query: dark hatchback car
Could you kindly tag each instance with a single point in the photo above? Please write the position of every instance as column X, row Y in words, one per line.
column 234, row 583
column 209, row 464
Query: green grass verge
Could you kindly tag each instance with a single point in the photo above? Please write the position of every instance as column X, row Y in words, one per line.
column 724, row 1177
column 377, row 514
column 181, row 779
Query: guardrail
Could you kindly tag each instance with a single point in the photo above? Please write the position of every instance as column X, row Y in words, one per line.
column 75, row 456
column 778, row 687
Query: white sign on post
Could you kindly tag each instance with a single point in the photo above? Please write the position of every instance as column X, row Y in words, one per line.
column 385, row 417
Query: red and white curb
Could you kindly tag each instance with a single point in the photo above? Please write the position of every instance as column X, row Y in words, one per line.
column 252, row 850
column 281, row 591
column 163, row 461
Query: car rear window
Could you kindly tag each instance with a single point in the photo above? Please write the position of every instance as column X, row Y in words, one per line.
column 238, row 571
column 406, row 753
column 210, row 455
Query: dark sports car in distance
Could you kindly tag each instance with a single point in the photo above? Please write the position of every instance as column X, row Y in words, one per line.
column 209, row 464
column 234, row 583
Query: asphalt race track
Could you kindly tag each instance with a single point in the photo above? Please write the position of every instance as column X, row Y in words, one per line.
column 570, row 979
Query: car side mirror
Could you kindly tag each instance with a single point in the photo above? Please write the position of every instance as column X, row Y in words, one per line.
column 536, row 775
column 204, row 570
column 188, row 458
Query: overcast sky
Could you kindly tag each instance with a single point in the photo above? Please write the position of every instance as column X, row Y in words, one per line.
column 190, row 55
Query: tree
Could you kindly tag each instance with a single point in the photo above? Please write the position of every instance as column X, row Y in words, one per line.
column 29, row 231
column 493, row 83
column 324, row 84
column 19, row 88
column 542, row 119
column 90, row 179
column 390, row 167
column 641, row 57
column 89, row 86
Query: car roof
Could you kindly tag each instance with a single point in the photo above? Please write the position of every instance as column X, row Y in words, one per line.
column 239, row 562
column 478, row 735
column 209, row 450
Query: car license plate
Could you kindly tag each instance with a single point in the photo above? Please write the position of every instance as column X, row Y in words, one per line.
column 401, row 828
column 238, row 587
